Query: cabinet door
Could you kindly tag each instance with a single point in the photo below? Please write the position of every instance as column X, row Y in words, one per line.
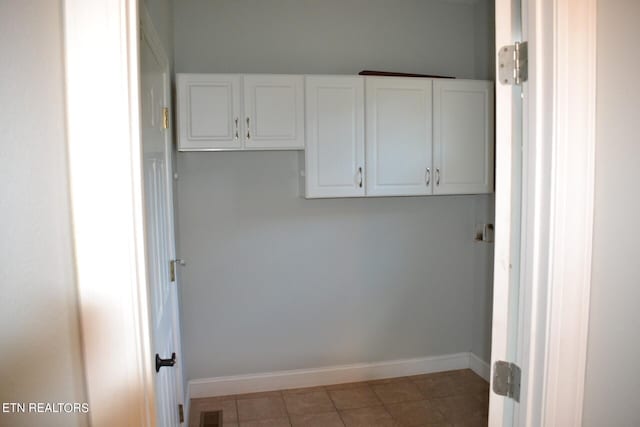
column 274, row 112
column 208, row 112
column 334, row 153
column 463, row 136
column 399, row 136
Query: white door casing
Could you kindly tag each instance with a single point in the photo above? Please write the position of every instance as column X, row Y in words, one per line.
column 557, row 210
column 101, row 46
column 158, row 179
column 398, row 136
column 334, row 152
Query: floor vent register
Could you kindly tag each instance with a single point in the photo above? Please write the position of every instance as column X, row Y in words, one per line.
column 211, row 419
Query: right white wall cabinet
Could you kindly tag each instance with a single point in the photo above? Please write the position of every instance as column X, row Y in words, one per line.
column 421, row 136
column 463, row 139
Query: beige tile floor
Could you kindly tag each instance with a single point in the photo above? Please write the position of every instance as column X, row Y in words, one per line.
column 453, row 398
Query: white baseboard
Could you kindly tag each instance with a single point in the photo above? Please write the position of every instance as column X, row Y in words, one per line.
column 479, row 366
column 187, row 404
column 238, row 384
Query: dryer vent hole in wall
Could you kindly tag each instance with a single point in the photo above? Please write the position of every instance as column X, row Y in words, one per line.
column 211, row 419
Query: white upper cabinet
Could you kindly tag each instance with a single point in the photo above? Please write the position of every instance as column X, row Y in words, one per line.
column 235, row 112
column 362, row 136
column 463, row 137
column 208, row 112
column 334, row 152
column 399, row 136
column 274, row 111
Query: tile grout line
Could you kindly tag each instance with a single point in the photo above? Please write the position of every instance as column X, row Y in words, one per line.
column 334, row 406
column 384, row 405
column 235, row 401
column 286, row 409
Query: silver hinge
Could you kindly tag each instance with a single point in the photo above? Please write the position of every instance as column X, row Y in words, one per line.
column 181, row 412
column 513, row 64
column 506, row 379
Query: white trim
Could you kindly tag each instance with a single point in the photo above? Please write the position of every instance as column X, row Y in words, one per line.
column 557, row 211
column 479, row 366
column 102, row 102
column 532, row 331
column 187, row 404
column 280, row 380
column 506, row 33
column 570, row 201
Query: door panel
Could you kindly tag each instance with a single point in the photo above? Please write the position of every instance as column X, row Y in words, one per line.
column 463, row 136
column 399, row 136
column 160, row 249
column 209, row 106
column 334, row 154
column 273, row 111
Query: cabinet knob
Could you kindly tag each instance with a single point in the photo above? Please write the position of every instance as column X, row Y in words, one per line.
column 237, row 132
column 437, row 176
column 360, row 177
column 427, row 177
column 248, row 128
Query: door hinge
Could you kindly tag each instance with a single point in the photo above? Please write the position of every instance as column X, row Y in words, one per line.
column 172, row 267
column 513, row 64
column 181, row 412
column 506, row 379
column 165, row 118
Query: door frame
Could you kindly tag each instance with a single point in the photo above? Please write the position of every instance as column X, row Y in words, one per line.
column 557, row 210
column 101, row 46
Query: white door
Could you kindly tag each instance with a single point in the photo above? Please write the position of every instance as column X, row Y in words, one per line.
column 209, row 112
column 399, row 136
column 462, row 136
column 507, row 323
column 156, row 143
column 334, row 152
column 273, row 111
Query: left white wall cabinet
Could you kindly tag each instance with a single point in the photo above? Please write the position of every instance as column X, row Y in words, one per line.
column 218, row 112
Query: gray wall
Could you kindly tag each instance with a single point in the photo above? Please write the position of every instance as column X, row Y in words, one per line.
column 274, row 281
column 613, row 376
column 39, row 328
column 483, row 282
column 333, row 36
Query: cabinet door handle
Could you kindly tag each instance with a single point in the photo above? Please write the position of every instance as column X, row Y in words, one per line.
column 248, row 128
column 437, row 176
column 427, row 177
column 237, row 131
column 360, row 177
